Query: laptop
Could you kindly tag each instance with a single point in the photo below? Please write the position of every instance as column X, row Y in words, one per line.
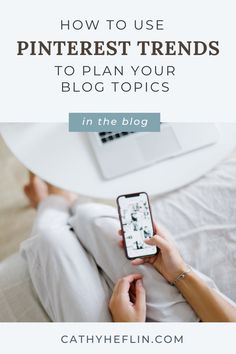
column 120, row 153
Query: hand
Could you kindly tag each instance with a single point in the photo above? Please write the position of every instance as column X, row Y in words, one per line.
column 168, row 261
column 128, row 301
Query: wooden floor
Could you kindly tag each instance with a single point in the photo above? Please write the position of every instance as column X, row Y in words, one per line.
column 15, row 216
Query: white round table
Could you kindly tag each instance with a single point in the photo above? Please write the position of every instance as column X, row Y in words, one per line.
column 67, row 161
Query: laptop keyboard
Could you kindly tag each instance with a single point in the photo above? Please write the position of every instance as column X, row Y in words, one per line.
column 107, row 137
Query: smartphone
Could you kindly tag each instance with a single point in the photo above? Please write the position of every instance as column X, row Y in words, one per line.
column 136, row 224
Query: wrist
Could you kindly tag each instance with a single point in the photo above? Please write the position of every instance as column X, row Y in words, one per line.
column 177, row 271
column 181, row 275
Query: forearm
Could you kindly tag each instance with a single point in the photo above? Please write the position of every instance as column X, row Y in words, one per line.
column 206, row 302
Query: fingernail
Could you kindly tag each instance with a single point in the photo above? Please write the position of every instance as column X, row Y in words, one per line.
column 139, row 282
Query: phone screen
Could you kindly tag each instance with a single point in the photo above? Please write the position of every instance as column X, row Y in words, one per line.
column 137, row 226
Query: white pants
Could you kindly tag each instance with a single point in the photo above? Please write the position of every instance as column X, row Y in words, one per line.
column 74, row 261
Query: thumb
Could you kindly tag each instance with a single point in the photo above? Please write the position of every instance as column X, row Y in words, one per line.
column 140, row 302
column 159, row 242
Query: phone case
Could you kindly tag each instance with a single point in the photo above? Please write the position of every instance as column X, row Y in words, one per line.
column 118, row 206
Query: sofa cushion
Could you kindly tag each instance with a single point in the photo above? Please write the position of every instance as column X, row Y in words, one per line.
column 18, row 300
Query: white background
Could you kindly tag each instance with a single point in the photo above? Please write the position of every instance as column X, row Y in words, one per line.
column 203, row 89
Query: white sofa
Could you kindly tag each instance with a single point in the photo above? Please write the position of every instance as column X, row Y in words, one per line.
column 18, row 300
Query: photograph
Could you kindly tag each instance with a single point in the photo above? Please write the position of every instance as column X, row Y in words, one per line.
column 118, row 227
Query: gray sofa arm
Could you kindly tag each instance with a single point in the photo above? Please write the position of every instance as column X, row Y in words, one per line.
column 18, row 300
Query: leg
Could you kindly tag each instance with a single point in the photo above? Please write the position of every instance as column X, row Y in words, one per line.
column 65, row 276
column 96, row 227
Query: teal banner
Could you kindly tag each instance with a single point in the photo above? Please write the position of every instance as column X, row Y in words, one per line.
column 114, row 122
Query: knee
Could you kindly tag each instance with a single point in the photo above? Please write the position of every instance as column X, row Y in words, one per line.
column 51, row 237
column 87, row 213
column 94, row 219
